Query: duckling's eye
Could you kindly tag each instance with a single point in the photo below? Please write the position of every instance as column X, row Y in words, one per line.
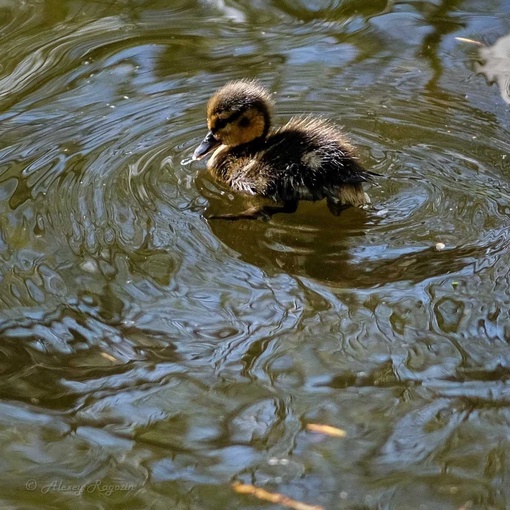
column 244, row 122
column 220, row 124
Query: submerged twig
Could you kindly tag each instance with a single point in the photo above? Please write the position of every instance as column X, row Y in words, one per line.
column 273, row 497
column 325, row 429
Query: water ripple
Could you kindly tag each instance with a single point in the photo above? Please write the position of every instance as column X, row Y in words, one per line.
column 143, row 342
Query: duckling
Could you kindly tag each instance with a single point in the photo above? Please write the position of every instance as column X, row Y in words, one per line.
column 307, row 159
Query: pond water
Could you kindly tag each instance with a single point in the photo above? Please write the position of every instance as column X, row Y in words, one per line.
column 151, row 358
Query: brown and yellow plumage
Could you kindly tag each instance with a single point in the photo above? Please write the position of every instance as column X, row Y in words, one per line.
column 307, row 159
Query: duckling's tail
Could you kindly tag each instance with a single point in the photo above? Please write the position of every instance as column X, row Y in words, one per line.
column 369, row 175
column 347, row 195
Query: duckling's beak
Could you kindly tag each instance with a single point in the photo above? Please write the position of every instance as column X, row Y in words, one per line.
column 207, row 145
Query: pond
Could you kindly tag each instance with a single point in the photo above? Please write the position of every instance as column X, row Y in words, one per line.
column 154, row 358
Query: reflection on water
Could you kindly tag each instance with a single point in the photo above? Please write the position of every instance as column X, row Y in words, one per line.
column 145, row 346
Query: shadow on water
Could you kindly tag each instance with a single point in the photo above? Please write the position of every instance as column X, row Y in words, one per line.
column 315, row 246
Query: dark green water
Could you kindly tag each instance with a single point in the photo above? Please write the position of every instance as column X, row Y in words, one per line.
column 149, row 350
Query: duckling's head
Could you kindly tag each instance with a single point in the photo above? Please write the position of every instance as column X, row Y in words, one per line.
column 237, row 113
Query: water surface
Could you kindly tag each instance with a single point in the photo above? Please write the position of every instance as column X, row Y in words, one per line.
column 150, row 358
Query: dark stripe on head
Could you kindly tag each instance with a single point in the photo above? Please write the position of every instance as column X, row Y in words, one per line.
column 221, row 123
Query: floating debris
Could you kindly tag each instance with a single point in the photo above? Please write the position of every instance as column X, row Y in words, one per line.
column 440, row 246
column 496, row 66
column 109, row 357
column 273, row 497
column 471, row 41
column 325, row 429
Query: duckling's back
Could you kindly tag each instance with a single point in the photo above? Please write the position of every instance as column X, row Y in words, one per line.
column 307, row 159
column 310, row 159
